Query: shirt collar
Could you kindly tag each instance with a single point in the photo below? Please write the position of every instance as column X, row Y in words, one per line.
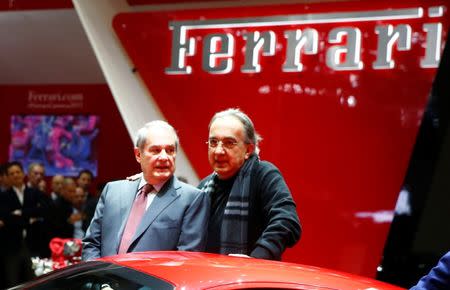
column 19, row 189
column 157, row 186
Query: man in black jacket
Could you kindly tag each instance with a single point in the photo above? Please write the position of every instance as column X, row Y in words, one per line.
column 20, row 207
column 252, row 210
column 64, row 217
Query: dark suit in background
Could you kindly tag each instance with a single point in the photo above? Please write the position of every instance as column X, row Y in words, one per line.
column 62, row 210
column 21, row 232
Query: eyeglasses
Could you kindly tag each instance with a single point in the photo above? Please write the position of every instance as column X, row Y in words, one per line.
column 227, row 143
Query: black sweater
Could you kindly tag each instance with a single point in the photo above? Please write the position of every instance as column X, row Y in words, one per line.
column 273, row 222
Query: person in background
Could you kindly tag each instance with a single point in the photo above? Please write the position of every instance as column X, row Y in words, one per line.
column 438, row 278
column 36, row 173
column 57, row 185
column 68, row 216
column 4, row 181
column 42, row 186
column 21, row 207
column 84, row 180
column 252, row 210
column 41, row 230
column 155, row 212
column 78, row 202
column 4, row 186
column 91, row 204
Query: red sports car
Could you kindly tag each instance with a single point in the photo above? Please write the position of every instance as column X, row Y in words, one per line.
column 188, row 270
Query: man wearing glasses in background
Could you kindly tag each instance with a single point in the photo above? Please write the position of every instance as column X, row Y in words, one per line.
column 252, row 210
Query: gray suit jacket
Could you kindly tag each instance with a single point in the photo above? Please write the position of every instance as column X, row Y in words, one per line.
column 177, row 219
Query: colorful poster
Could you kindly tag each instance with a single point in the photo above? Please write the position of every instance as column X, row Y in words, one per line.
column 64, row 144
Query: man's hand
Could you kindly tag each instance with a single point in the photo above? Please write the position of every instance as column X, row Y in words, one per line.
column 2, row 224
column 134, row 177
column 17, row 212
column 75, row 217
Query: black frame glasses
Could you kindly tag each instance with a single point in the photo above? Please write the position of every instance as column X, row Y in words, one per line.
column 227, row 143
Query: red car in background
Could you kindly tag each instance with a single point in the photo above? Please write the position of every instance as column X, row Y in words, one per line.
column 188, row 270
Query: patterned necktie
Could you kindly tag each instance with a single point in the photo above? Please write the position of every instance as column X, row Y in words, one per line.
column 135, row 217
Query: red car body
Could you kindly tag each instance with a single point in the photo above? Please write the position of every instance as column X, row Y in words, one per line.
column 189, row 270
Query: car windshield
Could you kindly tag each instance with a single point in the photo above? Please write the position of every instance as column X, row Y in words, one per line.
column 97, row 276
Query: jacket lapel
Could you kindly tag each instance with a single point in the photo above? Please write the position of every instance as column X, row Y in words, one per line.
column 127, row 195
column 162, row 200
column 15, row 202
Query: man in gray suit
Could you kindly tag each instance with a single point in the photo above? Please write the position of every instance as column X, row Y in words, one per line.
column 174, row 215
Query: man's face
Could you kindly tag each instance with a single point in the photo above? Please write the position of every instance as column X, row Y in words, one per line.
column 35, row 175
column 157, row 157
column 16, row 176
column 84, row 181
column 69, row 191
column 57, row 183
column 226, row 162
column 78, row 197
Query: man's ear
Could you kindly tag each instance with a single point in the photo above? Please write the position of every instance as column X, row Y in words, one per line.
column 137, row 154
column 249, row 151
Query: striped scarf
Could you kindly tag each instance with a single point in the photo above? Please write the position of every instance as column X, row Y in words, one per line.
column 234, row 230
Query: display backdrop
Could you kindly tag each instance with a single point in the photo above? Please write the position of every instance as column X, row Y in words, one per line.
column 82, row 120
column 64, row 144
column 337, row 90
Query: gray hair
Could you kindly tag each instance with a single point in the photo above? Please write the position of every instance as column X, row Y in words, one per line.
column 143, row 132
column 251, row 136
column 35, row 164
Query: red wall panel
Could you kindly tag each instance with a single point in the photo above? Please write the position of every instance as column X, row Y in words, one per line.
column 342, row 139
column 34, row 4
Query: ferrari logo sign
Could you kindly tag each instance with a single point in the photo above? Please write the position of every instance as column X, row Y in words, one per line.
column 343, row 43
